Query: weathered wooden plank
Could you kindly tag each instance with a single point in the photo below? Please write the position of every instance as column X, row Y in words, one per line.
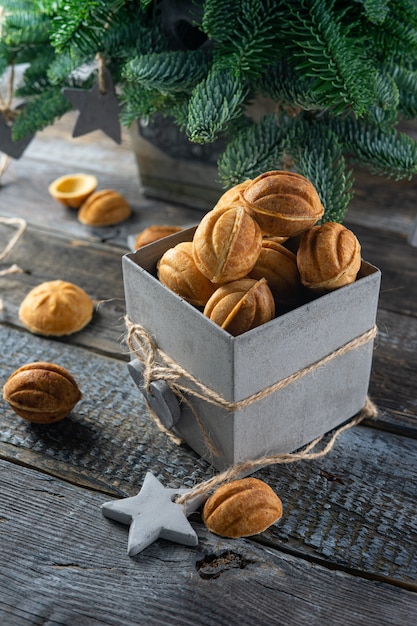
column 109, row 438
column 95, row 268
column 355, row 506
column 63, row 563
column 54, row 152
column 394, row 370
column 46, row 256
column 383, row 203
column 397, row 261
column 109, row 442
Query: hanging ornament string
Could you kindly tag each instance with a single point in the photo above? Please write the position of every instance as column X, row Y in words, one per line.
column 6, row 103
column 8, row 115
column 12, row 221
column 100, row 78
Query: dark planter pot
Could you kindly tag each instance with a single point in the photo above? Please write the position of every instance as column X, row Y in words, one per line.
column 174, row 169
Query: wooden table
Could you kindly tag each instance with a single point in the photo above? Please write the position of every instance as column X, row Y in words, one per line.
column 344, row 551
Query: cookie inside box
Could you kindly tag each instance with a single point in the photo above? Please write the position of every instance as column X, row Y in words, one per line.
column 238, row 367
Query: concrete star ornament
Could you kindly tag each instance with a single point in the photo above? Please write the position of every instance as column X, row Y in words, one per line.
column 153, row 514
column 99, row 110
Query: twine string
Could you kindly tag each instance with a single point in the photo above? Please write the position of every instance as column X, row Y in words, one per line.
column 12, row 221
column 308, row 453
column 158, row 365
column 101, row 79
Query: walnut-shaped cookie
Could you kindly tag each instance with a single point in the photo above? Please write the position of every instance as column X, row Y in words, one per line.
column 328, row 257
column 153, row 233
column 226, row 244
column 241, row 305
column 279, row 266
column 104, row 208
column 41, row 392
column 178, row 271
column 284, row 204
column 231, row 197
column 56, row 308
column 242, row 508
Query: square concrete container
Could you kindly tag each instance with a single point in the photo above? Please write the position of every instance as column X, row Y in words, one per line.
column 237, row 367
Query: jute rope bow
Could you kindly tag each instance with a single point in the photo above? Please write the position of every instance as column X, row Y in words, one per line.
column 158, row 365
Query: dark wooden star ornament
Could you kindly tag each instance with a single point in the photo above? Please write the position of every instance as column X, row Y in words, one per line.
column 99, row 108
column 13, row 149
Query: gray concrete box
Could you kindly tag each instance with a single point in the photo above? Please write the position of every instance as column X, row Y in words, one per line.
column 237, row 367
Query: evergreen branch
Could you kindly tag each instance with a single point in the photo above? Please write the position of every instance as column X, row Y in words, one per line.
column 40, row 112
column 251, row 45
column 220, row 18
column 214, row 103
column 34, row 79
column 81, row 23
column 64, row 65
column 281, row 83
column 375, row 10
column 384, row 152
column 318, row 156
column 139, row 102
column 258, row 148
column 342, row 77
column 168, row 72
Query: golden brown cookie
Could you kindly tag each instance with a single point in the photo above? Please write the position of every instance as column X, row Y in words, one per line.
column 231, row 197
column 226, row 244
column 241, row 305
column 328, row 257
column 242, row 508
column 104, row 208
column 178, row 271
column 41, row 392
column 279, row 266
column 153, row 233
column 283, row 203
column 56, row 308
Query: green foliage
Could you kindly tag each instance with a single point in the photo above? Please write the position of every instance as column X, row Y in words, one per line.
column 214, row 103
column 340, row 77
column 168, row 72
column 40, row 112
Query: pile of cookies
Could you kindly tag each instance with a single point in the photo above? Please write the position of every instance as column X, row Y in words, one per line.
column 259, row 251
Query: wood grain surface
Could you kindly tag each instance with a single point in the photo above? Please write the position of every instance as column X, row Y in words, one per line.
column 217, row 583
column 344, row 551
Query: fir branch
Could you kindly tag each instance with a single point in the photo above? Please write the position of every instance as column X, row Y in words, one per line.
column 168, row 72
column 251, row 45
column 34, row 79
column 213, row 104
column 220, row 18
column 318, row 156
column 375, row 10
column 63, row 66
column 282, row 83
column 256, row 149
column 139, row 102
column 385, row 152
column 81, row 23
column 337, row 63
column 40, row 112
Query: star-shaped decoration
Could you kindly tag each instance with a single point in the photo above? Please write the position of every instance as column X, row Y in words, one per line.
column 13, row 149
column 98, row 111
column 153, row 514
